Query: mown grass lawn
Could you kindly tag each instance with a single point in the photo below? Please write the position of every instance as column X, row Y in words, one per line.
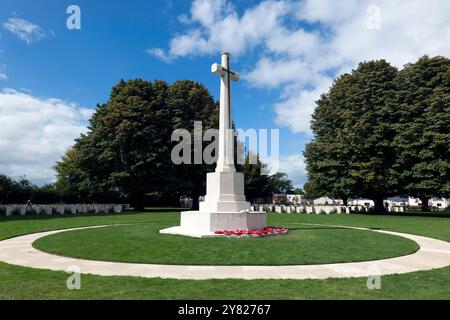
column 305, row 244
column 24, row 283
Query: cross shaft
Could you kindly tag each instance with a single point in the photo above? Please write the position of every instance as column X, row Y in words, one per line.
column 225, row 160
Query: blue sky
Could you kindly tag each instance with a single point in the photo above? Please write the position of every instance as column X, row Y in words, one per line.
column 288, row 53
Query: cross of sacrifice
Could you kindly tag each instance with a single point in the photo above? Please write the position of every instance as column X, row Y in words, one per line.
column 225, row 161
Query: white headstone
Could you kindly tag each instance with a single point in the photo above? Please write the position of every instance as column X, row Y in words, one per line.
column 9, row 211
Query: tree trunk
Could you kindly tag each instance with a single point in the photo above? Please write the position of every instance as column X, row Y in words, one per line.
column 345, row 200
column 425, row 206
column 379, row 205
column 195, row 202
column 137, row 202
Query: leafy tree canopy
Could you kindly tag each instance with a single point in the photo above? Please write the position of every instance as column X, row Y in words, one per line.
column 380, row 132
column 127, row 152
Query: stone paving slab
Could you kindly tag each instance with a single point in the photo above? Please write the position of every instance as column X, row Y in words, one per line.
column 433, row 254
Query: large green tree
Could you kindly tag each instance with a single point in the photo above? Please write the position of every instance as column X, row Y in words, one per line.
column 188, row 102
column 311, row 190
column 127, row 151
column 351, row 153
column 7, row 188
column 127, row 146
column 423, row 128
column 22, row 190
column 69, row 177
column 280, row 183
column 379, row 132
column 257, row 184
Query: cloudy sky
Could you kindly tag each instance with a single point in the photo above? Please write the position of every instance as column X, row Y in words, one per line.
column 288, row 53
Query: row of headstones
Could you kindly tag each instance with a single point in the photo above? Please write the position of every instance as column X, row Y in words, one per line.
column 310, row 209
column 21, row 210
column 396, row 209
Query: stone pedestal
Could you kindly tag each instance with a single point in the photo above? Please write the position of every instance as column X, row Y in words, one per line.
column 204, row 224
column 224, row 208
column 224, row 193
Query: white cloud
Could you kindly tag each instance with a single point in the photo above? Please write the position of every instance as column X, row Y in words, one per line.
column 295, row 43
column 293, row 165
column 184, row 19
column 273, row 73
column 207, row 11
column 298, row 47
column 182, row 45
column 296, row 108
column 3, row 76
column 301, row 45
column 25, row 30
column 36, row 132
column 326, row 11
column 160, row 54
column 219, row 28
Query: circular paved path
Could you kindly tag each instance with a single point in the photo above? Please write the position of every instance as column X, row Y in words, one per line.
column 432, row 254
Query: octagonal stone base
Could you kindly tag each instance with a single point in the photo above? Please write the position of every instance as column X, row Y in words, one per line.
column 224, row 193
column 204, row 224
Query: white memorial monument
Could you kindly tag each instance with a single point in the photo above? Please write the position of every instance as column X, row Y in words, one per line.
column 225, row 206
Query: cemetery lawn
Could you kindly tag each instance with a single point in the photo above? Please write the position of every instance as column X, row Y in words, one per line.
column 25, row 283
column 305, row 244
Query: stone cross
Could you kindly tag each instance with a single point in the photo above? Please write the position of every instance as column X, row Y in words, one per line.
column 225, row 160
column 225, row 206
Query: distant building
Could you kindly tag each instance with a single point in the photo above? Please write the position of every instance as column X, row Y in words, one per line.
column 279, row 199
column 324, row 201
column 439, row 203
column 361, row 202
column 294, row 198
column 287, row 199
column 414, row 202
column 396, row 202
